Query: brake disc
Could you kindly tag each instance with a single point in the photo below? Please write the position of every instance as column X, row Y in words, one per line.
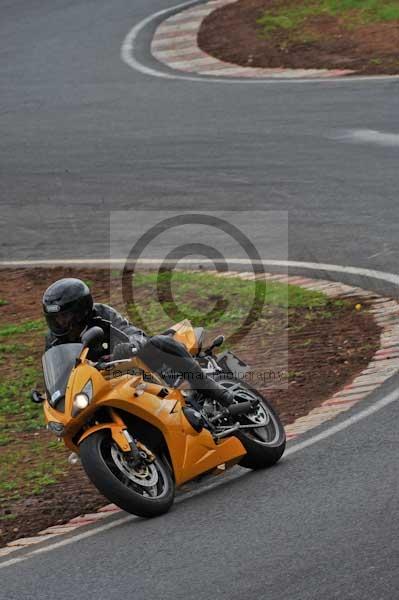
column 259, row 416
column 144, row 474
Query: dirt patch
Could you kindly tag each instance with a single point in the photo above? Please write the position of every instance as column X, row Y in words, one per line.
column 327, row 347
column 22, row 289
column 72, row 496
column 233, row 34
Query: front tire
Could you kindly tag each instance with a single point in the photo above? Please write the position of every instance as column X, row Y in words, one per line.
column 264, row 445
column 148, row 493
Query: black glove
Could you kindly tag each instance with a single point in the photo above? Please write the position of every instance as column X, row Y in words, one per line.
column 123, row 351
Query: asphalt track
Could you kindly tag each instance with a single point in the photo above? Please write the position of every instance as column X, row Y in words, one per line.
column 82, row 135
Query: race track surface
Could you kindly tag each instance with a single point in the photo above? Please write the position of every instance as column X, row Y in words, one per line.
column 83, row 135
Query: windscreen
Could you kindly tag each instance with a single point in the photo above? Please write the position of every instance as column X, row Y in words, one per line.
column 58, row 363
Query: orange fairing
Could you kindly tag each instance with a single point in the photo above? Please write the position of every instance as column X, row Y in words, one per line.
column 191, row 453
column 186, row 335
column 116, row 432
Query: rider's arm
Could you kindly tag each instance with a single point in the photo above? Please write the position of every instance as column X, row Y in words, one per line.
column 124, row 330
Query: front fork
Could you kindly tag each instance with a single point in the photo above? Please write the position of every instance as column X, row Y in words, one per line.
column 122, row 438
column 137, row 450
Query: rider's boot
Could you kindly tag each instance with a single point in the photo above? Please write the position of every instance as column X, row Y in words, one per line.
column 205, row 385
column 162, row 353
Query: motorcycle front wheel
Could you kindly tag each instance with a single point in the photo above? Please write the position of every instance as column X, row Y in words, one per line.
column 265, row 444
column 146, row 490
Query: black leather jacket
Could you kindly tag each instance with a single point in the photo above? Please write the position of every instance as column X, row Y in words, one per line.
column 116, row 329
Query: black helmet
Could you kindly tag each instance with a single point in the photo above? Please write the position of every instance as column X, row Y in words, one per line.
column 67, row 306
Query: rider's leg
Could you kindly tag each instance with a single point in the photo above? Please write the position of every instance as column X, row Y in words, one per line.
column 162, row 353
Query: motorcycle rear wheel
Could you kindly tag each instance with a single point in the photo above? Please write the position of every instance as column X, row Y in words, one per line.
column 145, row 492
column 264, row 445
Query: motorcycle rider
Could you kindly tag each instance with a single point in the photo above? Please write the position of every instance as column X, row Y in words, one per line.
column 69, row 310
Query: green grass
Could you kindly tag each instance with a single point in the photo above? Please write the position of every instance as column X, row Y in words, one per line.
column 3, row 302
column 4, row 439
column 8, row 517
column 15, row 402
column 354, row 12
column 23, row 469
column 28, row 326
column 11, row 348
column 209, row 301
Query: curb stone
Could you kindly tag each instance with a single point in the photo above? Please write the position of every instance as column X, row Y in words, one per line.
column 175, row 45
column 382, row 366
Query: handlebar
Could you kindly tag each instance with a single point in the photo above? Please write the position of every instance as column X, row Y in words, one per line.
column 101, row 366
column 170, row 332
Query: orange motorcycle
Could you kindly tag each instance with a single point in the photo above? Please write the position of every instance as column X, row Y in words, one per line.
column 138, row 437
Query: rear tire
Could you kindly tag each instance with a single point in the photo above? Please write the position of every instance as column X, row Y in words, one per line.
column 264, row 448
column 101, row 459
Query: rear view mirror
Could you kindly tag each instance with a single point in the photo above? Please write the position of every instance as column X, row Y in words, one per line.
column 36, row 397
column 94, row 334
column 217, row 342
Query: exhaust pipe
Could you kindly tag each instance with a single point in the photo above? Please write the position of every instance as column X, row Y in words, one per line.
column 241, row 408
column 227, row 432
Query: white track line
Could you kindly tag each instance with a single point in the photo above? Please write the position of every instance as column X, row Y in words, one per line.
column 370, row 136
column 371, row 273
column 359, row 416
column 128, row 50
column 377, row 406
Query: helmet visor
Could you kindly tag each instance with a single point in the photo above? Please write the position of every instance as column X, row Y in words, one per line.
column 60, row 323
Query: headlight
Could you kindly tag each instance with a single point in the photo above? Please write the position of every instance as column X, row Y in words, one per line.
column 81, row 401
column 83, row 398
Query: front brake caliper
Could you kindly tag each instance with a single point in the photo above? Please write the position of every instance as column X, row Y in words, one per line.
column 145, row 452
column 137, row 450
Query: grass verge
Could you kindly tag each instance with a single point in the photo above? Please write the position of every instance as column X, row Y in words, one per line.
column 352, row 13
column 30, row 460
column 209, row 301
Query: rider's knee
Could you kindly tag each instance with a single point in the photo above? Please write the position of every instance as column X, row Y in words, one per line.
column 169, row 345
